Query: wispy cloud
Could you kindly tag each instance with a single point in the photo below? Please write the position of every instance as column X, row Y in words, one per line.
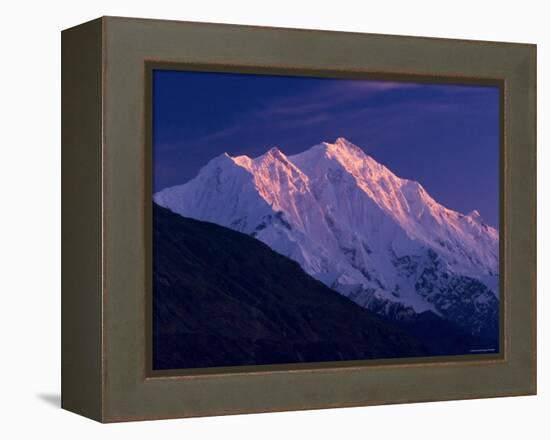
column 331, row 95
column 345, row 102
column 312, row 107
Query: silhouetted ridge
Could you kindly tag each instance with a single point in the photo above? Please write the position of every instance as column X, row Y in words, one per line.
column 223, row 298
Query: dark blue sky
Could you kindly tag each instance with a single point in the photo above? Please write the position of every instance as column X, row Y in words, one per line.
column 444, row 136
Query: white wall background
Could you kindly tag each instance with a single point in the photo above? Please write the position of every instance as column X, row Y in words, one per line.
column 30, row 219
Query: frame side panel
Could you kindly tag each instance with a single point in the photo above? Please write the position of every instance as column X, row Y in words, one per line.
column 81, row 213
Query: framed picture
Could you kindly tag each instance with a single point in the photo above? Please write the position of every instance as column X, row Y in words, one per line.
column 262, row 219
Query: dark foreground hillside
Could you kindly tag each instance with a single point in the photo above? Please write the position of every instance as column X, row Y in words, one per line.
column 223, row 298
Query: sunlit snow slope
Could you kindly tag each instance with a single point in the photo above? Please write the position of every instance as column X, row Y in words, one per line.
column 350, row 222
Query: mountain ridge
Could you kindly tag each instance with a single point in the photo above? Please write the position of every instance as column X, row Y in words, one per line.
column 222, row 298
column 353, row 224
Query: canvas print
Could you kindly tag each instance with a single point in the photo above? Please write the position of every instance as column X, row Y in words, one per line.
column 300, row 219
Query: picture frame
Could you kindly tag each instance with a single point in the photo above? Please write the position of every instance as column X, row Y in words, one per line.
column 107, row 221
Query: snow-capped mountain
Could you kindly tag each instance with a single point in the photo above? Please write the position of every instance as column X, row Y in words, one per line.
column 350, row 222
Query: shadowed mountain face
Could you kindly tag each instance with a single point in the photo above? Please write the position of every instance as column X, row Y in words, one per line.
column 223, row 298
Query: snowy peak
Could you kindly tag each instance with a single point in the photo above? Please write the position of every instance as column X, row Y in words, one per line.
column 475, row 215
column 341, row 149
column 275, row 158
column 348, row 220
column 276, row 154
column 343, row 155
column 345, row 169
column 272, row 155
column 344, row 149
column 221, row 160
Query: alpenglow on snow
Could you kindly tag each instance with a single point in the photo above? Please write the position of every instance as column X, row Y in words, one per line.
column 350, row 222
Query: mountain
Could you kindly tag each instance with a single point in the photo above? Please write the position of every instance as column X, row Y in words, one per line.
column 224, row 298
column 351, row 223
